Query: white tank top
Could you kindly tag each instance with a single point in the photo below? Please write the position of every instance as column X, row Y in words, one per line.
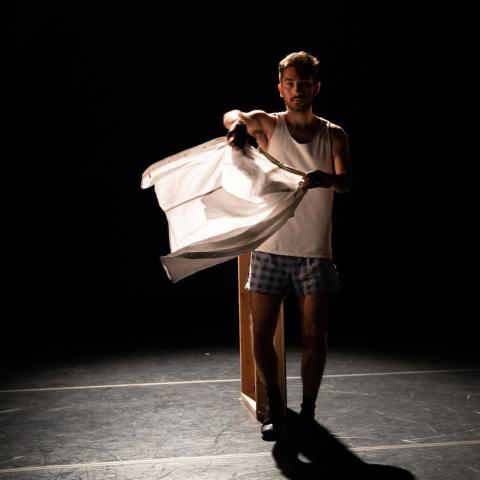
column 308, row 233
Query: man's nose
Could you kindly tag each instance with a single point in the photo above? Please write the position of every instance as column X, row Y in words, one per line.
column 298, row 88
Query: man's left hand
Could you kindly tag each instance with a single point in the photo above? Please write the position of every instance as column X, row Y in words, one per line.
column 317, row 178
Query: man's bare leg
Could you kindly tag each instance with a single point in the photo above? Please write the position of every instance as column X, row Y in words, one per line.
column 265, row 310
column 313, row 314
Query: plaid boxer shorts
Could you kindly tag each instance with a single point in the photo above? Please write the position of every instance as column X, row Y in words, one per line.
column 276, row 274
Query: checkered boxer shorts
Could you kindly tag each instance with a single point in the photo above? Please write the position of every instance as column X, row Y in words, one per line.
column 276, row 274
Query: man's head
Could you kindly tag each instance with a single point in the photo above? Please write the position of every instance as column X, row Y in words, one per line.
column 298, row 77
column 305, row 63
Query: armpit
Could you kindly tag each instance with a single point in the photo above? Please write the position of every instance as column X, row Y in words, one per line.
column 261, row 138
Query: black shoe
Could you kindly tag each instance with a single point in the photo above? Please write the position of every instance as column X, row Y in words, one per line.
column 273, row 426
column 307, row 417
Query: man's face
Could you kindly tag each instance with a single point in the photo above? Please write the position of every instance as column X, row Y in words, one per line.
column 298, row 90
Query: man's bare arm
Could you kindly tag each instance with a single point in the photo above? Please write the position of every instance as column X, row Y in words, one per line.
column 257, row 123
column 341, row 180
column 341, row 160
column 253, row 120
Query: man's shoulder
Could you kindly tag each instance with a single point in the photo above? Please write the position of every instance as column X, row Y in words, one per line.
column 271, row 116
column 328, row 122
column 261, row 113
column 261, row 116
column 334, row 128
column 265, row 119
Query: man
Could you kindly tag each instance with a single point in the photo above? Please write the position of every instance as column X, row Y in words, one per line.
column 299, row 255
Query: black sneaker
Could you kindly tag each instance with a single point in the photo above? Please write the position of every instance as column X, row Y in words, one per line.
column 273, row 427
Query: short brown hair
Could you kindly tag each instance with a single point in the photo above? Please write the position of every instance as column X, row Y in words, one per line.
column 304, row 62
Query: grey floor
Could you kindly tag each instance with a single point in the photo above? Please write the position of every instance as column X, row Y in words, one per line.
column 176, row 414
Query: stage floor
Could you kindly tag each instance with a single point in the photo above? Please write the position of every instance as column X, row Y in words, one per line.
column 176, row 414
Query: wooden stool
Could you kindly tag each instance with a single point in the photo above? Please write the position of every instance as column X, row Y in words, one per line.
column 253, row 392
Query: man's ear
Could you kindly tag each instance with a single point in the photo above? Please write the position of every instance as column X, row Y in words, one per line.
column 280, row 89
column 317, row 88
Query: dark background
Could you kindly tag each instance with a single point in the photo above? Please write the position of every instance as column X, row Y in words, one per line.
column 95, row 94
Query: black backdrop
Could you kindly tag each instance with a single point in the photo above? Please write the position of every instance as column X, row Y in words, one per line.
column 96, row 94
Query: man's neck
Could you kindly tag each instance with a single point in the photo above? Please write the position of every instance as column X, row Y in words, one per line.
column 299, row 119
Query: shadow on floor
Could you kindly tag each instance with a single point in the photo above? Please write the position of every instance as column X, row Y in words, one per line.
column 325, row 457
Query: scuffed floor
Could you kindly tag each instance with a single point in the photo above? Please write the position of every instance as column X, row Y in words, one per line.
column 176, row 414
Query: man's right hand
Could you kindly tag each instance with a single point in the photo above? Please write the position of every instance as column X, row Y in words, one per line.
column 237, row 135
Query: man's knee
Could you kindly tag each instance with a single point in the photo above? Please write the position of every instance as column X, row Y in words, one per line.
column 314, row 339
column 263, row 337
